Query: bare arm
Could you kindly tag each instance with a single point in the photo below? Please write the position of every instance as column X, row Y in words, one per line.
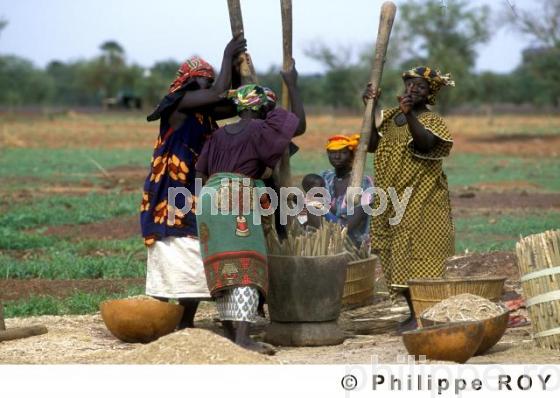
column 424, row 140
column 290, row 78
column 356, row 219
column 374, row 137
column 226, row 109
column 204, row 97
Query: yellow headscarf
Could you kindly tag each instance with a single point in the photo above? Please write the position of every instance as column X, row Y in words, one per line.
column 338, row 142
column 434, row 77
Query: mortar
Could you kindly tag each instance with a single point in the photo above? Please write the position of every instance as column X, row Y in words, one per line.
column 304, row 299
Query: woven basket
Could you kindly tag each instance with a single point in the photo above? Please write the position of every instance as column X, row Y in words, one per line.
column 426, row 293
column 360, row 282
column 539, row 265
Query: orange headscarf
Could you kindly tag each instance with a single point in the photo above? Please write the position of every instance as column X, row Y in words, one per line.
column 338, row 142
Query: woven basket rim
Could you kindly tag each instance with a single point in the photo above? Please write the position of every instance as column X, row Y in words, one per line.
column 363, row 260
column 340, row 254
column 473, row 279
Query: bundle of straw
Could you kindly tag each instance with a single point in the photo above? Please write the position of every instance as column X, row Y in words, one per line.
column 327, row 240
column 539, row 264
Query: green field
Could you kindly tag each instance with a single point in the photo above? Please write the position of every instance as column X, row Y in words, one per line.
column 37, row 188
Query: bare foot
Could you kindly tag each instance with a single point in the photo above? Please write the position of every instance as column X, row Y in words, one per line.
column 261, row 348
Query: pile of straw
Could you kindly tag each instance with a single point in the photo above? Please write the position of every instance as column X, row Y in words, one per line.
column 463, row 307
column 188, row 346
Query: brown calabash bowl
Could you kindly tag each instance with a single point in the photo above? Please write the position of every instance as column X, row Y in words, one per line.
column 455, row 342
column 140, row 321
column 494, row 329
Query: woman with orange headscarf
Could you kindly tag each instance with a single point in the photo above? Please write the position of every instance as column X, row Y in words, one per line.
column 340, row 151
column 187, row 115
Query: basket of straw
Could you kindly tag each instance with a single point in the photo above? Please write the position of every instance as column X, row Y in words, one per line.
column 539, row 265
column 427, row 292
column 359, row 287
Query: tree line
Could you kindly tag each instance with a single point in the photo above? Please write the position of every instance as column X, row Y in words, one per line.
column 444, row 35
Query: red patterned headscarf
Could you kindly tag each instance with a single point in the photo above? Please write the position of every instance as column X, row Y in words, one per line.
column 192, row 67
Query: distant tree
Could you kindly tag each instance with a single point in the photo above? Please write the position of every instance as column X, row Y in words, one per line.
column 541, row 23
column 108, row 75
column 3, row 24
column 540, row 67
column 444, row 38
column 271, row 79
column 70, row 85
column 166, row 69
column 113, row 53
column 156, row 81
column 21, row 83
column 345, row 75
column 496, row 88
column 539, row 73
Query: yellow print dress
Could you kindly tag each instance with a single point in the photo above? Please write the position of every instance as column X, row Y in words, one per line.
column 419, row 244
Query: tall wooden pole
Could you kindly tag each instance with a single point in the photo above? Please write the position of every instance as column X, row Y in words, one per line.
column 247, row 69
column 286, row 8
column 388, row 11
column 283, row 172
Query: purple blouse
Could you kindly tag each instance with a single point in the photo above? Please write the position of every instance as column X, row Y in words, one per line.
column 250, row 151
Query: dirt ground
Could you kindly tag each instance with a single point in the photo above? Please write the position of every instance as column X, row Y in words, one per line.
column 116, row 228
column 472, row 134
column 370, row 332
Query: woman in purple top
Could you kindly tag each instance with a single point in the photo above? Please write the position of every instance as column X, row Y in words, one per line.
column 251, row 145
column 232, row 244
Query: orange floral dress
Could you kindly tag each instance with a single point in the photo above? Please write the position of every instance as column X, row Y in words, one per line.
column 172, row 166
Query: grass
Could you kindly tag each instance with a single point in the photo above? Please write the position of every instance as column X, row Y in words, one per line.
column 66, row 165
column 60, row 210
column 45, row 153
column 77, row 304
column 13, row 239
column 465, row 169
column 470, row 169
column 89, row 259
column 484, row 234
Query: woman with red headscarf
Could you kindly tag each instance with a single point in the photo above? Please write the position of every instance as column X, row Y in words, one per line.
column 187, row 115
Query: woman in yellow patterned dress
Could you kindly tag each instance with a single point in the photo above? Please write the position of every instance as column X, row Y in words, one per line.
column 410, row 142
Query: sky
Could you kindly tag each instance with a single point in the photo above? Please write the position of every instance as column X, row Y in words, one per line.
column 150, row 31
